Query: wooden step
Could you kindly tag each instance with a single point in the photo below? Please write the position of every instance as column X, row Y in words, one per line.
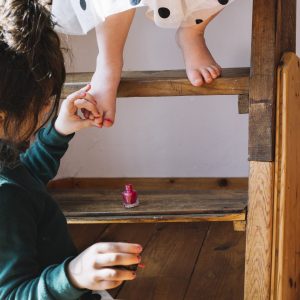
column 161, row 200
column 234, row 81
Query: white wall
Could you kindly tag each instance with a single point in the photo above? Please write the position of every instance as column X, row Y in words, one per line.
column 167, row 137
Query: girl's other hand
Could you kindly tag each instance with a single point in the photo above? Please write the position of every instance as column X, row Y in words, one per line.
column 93, row 268
column 68, row 120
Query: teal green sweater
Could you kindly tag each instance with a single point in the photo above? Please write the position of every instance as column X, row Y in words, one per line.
column 35, row 246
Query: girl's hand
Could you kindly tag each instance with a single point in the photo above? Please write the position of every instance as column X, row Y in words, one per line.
column 68, row 120
column 93, row 268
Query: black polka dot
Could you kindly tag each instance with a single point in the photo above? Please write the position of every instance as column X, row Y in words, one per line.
column 199, row 21
column 83, row 4
column 135, row 2
column 223, row 2
column 164, row 12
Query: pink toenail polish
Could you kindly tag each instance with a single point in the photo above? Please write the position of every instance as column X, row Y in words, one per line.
column 108, row 120
column 130, row 197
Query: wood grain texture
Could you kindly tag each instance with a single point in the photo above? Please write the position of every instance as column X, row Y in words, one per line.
column 179, row 259
column 239, row 225
column 169, row 258
column 218, row 273
column 128, row 233
column 152, row 184
column 84, row 235
column 259, row 231
column 233, row 81
column 286, row 241
column 105, row 205
column 243, row 104
column 273, row 33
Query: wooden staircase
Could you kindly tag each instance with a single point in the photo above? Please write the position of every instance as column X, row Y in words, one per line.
column 198, row 199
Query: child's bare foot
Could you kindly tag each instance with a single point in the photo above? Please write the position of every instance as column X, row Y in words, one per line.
column 201, row 67
column 105, row 84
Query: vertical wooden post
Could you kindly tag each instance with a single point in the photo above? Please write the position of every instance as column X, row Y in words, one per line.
column 273, row 33
column 286, row 238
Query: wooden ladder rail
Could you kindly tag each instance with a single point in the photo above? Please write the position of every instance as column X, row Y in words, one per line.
column 273, row 33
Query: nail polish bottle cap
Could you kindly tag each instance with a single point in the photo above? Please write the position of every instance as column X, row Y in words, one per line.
column 129, row 187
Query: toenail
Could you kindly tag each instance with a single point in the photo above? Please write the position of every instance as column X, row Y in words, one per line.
column 108, row 120
column 197, row 81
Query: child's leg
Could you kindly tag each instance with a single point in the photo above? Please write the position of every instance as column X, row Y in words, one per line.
column 200, row 65
column 111, row 38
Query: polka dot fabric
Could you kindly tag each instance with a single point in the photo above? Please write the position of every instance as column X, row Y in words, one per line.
column 175, row 13
column 80, row 16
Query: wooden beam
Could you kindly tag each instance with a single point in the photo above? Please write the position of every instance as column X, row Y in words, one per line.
column 152, row 184
column 286, row 241
column 234, row 81
column 273, row 33
column 243, row 104
column 259, row 231
column 105, row 206
column 239, row 225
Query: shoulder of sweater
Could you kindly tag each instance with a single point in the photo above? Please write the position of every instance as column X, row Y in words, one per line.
column 17, row 194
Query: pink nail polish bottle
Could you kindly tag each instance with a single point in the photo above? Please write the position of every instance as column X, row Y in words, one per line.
column 130, row 197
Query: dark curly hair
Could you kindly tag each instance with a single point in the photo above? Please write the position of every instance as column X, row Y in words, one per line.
column 32, row 70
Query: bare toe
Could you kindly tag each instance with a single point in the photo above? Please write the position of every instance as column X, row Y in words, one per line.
column 213, row 72
column 217, row 68
column 109, row 119
column 206, row 75
column 195, row 77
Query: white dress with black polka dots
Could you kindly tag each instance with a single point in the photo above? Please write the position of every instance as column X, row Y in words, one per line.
column 80, row 16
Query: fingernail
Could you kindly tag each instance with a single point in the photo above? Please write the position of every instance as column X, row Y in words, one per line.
column 139, row 257
column 83, row 94
column 142, row 266
column 108, row 120
column 140, row 248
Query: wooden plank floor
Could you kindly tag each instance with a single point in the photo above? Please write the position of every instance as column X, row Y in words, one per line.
column 184, row 261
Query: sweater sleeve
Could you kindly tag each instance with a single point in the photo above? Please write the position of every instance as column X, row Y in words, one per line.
column 20, row 276
column 42, row 159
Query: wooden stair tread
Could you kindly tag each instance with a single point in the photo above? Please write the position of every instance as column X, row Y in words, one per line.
column 234, row 81
column 104, row 206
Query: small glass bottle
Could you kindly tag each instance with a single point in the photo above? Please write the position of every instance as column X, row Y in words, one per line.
column 130, row 197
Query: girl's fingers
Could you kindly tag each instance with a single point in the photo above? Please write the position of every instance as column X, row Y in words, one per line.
column 86, row 124
column 91, row 99
column 79, row 94
column 107, row 285
column 118, row 248
column 87, row 105
column 115, row 275
column 86, row 88
column 115, row 259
